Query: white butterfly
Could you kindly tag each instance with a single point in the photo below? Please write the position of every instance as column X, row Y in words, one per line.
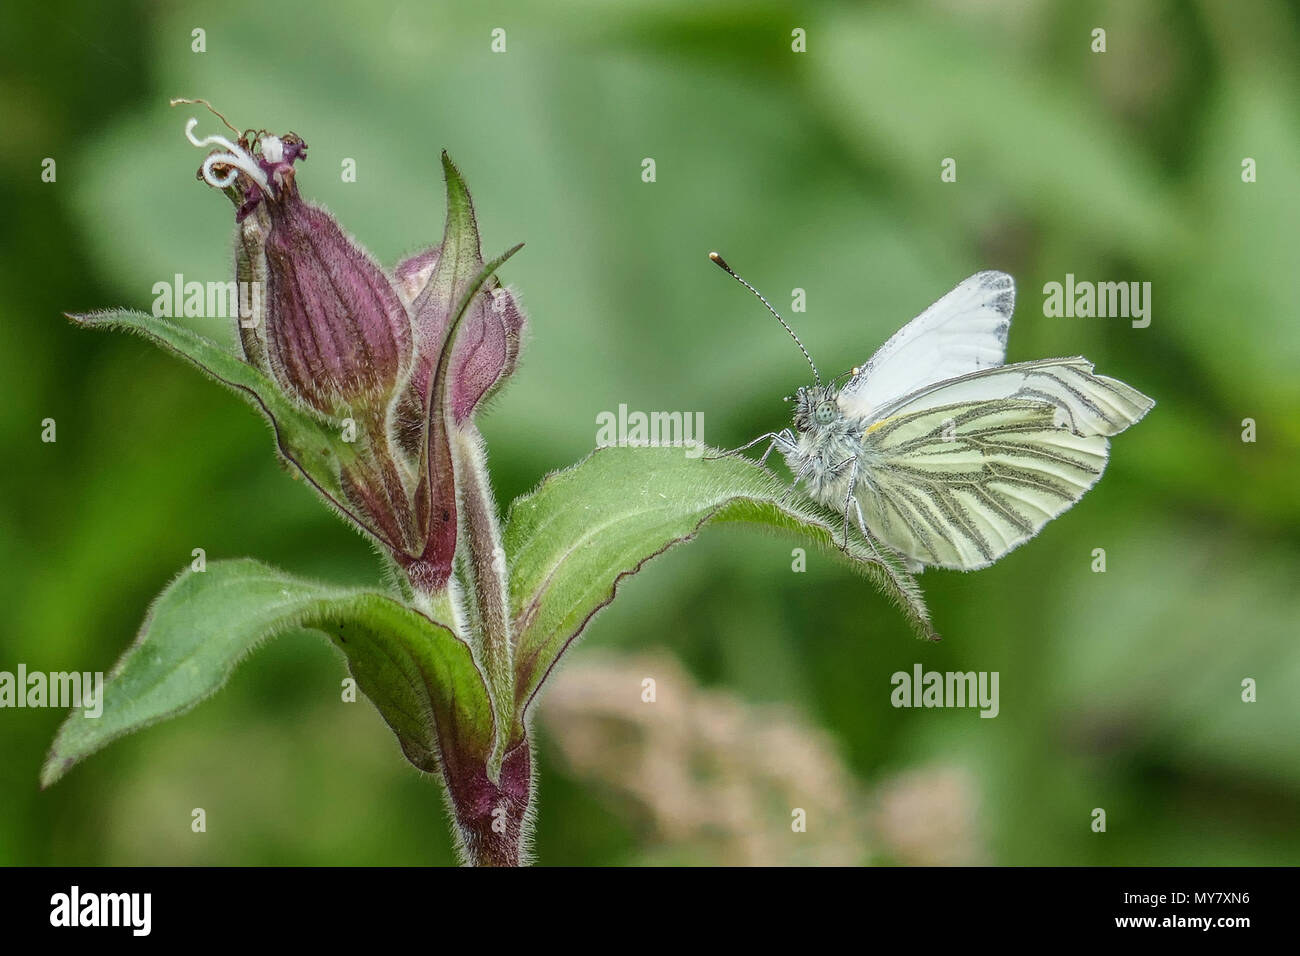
column 939, row 451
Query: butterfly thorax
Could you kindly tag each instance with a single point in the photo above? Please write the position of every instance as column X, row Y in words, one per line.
column 827, row 443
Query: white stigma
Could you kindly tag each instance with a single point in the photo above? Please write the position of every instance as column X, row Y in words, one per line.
column 234, row 156
column 272, row 149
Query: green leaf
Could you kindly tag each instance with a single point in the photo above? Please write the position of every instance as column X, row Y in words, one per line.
column 311, row 443
column 584, row 529
column 419, row 674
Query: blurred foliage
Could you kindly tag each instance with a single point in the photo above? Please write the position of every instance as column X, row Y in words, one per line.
column 816, row 170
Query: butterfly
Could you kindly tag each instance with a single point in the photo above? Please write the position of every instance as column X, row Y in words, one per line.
column 937, row 450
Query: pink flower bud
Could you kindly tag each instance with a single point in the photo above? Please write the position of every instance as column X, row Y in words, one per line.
column 486, row 350
column 337, row 333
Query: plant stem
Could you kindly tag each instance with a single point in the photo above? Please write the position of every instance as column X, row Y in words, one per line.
column 484, row 567
column 493, row 822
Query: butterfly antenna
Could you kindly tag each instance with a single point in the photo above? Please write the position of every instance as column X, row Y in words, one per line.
column 722, row 264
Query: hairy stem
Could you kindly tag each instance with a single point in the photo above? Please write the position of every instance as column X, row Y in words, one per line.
column 493, row 820
column 484, row 569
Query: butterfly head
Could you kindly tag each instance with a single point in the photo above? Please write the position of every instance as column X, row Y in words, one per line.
column 815, row 408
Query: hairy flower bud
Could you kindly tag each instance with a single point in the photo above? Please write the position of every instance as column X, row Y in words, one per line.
column 407, row 357
column 336, row 332
column 486, row 349
column 485, row 353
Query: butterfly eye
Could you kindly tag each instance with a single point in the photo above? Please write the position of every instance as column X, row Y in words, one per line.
column 825, row 413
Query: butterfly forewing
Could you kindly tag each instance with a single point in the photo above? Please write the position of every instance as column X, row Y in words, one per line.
column 963, row 332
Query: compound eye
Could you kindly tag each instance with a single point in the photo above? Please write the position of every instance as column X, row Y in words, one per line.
column 825, row 413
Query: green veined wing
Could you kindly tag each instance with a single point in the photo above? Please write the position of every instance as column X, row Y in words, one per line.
column 960, row 485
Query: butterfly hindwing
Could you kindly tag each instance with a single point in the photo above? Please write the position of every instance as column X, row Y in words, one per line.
column 1089, row 404
column 960, row 485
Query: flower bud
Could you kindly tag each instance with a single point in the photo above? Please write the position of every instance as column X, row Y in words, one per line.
column 337, row 333
column 486, row 350
column 485, row 353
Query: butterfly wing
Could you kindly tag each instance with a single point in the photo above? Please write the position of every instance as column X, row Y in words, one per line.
column 960, row 485
column 958, row 473
column 1086, row 403
column 963, row 332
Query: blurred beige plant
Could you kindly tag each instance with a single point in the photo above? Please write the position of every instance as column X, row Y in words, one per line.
column 717, row 780
column 929, row 816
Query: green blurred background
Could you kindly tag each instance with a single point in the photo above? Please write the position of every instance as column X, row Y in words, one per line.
column 817, row 170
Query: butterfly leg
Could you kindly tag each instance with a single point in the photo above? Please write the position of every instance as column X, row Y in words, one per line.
column 803, row 473
column 862, row 525
column 849, row 497
column 783, row 439
column 862, row 522
column 880, row 549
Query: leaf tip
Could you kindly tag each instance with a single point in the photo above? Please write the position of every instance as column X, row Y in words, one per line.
column 53, row 769
column 451, row 171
